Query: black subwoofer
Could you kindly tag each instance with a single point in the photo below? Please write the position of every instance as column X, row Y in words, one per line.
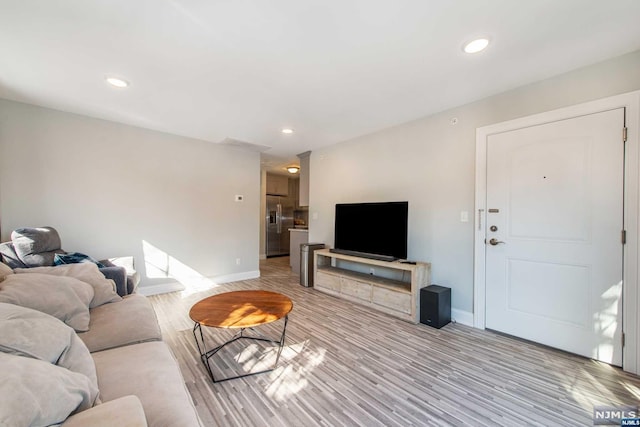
column 435, row 306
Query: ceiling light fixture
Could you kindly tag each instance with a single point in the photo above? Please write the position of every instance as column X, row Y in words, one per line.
column 293, row 169
column 117, row 82
column 287, row 131
column 476, row 45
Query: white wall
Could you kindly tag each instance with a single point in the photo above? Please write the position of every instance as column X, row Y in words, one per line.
column 263, row 214
column 108, row 188
column 431, row 163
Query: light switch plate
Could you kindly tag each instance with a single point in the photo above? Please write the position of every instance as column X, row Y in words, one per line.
column 464, row 216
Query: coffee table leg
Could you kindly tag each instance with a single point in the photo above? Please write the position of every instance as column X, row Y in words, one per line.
column 202, row 350
column 281, row 342
column 205, row 354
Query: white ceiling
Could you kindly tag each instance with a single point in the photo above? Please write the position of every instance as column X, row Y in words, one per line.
column 330, row 69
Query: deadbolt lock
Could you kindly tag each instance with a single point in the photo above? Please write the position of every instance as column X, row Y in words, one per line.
column 493, row 228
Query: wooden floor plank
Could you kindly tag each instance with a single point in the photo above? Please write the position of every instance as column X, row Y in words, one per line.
column 348, row 365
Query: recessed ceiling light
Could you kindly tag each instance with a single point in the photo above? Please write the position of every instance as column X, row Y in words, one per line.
column 117, row 82
column 287, row 130
column 476, row 45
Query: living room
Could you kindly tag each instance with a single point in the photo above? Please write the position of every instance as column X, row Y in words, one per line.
column 113, row 186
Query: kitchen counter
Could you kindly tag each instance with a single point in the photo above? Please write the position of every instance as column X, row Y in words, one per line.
column 303, row 230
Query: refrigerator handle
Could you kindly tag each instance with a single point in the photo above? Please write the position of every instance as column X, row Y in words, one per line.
column 279, row 218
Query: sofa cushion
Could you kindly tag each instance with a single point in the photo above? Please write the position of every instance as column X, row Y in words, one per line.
column 30, row 333
column 64, row 298
column 129, row 321
column 36, row 246
column 104, row 290
column 37, row 393
column 124, row 412
column 161, row 387
column 5, row 270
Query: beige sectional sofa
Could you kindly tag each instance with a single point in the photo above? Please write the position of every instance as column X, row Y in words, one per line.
column 132, row 360
column 138, row 379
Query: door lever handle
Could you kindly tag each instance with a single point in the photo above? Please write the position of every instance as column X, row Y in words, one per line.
column 494, row 242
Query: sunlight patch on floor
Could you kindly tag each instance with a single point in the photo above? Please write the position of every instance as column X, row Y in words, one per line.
column 289, row 379
column 587, row 396
column 632, row 389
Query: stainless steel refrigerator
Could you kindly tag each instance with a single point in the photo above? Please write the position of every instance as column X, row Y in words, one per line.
column 279, row 221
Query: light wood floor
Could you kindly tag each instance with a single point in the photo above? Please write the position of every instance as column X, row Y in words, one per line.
column 346, row 365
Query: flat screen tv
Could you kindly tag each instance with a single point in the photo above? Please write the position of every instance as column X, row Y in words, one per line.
column 372, row 230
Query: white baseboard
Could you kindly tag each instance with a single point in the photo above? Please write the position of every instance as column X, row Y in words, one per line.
column 235, row 277
column 203, row 283
column 161, row 288
column 462, row 317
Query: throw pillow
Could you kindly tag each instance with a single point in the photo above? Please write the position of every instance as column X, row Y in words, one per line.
column 30, row 333
column 64, row 298
column 37, row 393
column 5, row 270
column 9, row 256
column 104, row 289
column 36, row 246
column 75, row 258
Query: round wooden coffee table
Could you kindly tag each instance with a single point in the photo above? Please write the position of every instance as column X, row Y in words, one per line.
column 239, row 310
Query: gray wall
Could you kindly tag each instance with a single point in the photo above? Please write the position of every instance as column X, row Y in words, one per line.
column 431, row 163
column 112, row 189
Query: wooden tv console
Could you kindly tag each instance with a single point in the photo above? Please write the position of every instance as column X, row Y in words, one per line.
column 398, row 295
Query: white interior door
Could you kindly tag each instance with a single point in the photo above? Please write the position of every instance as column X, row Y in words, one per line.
column 555, row 212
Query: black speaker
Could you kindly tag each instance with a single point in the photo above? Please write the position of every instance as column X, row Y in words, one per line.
column 435, row 306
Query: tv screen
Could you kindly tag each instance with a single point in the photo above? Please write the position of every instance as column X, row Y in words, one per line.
column 372, row 228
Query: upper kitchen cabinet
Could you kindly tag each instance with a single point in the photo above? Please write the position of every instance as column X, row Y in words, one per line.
column 305, row 162
column 294, row 190
column 277, row 185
